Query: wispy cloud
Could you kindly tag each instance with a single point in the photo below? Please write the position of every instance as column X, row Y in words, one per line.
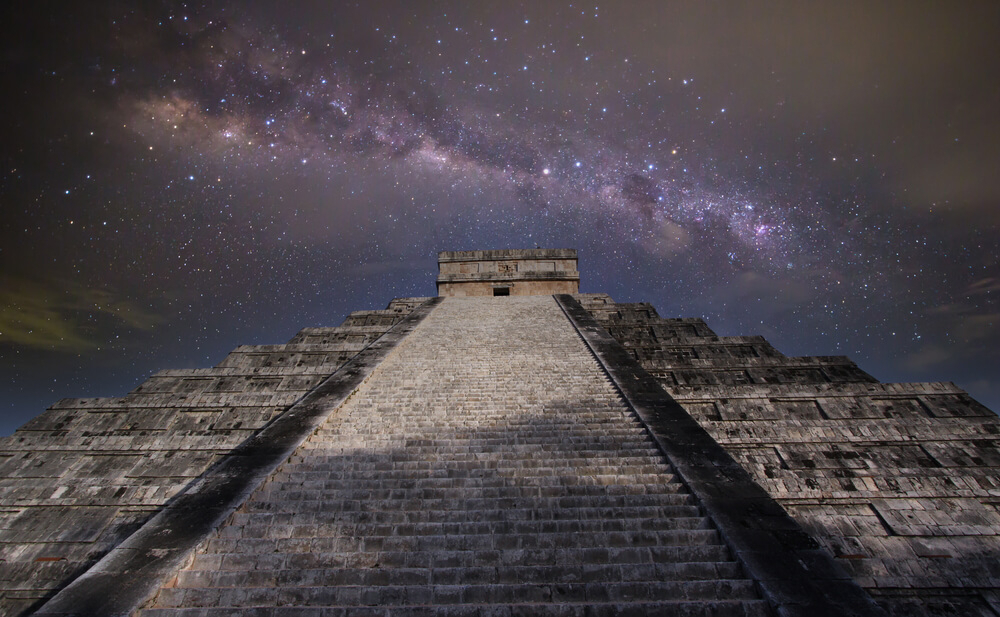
column 61, row 315
column 780, row 294
column 928, row 357
column 977, row 328
column 983, row 285
column 959, row 323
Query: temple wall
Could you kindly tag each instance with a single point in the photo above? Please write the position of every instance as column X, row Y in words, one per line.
column 515, row 288
column 515, row 272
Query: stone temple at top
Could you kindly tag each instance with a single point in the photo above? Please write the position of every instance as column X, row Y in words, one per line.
column 509, row 447
column 524, row 272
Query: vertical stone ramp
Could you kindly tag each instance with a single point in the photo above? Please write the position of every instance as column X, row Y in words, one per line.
column 487, row 466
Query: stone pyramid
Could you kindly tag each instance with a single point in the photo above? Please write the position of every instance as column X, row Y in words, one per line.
column 511, row 447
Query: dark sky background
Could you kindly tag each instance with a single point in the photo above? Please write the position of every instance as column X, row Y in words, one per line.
column 179, row 179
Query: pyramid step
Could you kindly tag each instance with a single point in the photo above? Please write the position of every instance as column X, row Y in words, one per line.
column 500, row 469
column 426, row 424
column 465, row 451
column 264, row 527
column 556, row 450
column 320, row 491
column 470, row 542
column 401, row 595
column 307, row 510
column 391, row 409
column 461, row 480
column 309, row 559
column 304, row 500
column 442, row 462
column 444, row 434
column 485, row 465
column 716, row 608
column 574, row 420
column 591, row 573
column 422, row 429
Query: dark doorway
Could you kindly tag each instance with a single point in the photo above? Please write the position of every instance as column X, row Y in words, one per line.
column 501, row 291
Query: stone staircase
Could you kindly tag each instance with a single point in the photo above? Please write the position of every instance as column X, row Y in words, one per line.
column 488, row 466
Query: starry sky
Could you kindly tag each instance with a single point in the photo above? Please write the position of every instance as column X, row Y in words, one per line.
column 181, row 178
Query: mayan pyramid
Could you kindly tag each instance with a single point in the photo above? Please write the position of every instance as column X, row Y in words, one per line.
column 509, row 447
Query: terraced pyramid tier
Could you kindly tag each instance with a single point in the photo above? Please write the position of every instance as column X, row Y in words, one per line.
column 488, row 463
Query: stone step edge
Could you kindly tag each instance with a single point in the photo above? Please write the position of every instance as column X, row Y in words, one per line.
column 677, row 567
column 622, row 556
column 553, row 514
column 689, row 607
column 130, row 573
column 351, row 532
column 386, row 596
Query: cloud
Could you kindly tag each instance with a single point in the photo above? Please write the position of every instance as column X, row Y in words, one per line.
column 667, row 240
column 963, row 322
column 928, row 357
column 971, row 338
column 62, row 315
column 984, row 285
column 963, row 181
column 976, row 328
column 778, row 293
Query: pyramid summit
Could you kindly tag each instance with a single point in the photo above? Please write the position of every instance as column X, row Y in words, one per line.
column 509, row 447
column 511, row 272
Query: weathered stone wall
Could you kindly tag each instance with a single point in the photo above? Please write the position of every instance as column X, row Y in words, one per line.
column 515, row 288
column 567, row 256
column 79, row 478
column 521, row 272
column 901, row 482
column 511, row 265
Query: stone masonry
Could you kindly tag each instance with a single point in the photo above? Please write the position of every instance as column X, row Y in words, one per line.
column 900, row 482
column 488, row 461
column 512, row 455
column 79, row 478
column 508, row 272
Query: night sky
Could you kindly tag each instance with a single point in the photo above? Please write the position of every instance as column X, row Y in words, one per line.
column 179, row 179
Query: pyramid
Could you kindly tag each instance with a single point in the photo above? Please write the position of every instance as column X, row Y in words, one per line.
column 509, row 447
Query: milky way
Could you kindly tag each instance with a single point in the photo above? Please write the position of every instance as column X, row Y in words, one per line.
column 181, row 178
column 250, row 100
